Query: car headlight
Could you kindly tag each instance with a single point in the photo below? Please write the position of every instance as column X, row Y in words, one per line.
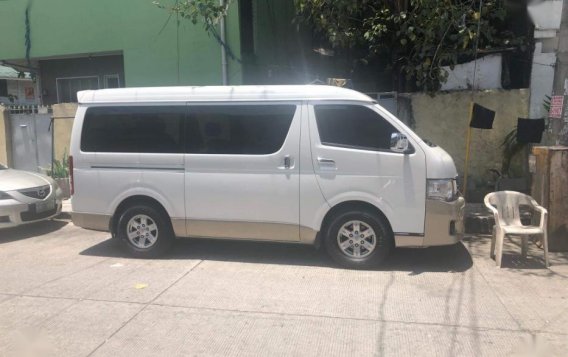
column 442, row 190
column 5, row 196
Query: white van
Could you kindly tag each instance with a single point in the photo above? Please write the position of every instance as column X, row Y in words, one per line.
column 297, row 164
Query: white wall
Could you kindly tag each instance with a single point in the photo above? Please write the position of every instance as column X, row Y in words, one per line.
column 545, row 15
column 487, row 74
column 542, row 77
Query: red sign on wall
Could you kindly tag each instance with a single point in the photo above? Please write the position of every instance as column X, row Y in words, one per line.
column 556, row 105
column 555, row 112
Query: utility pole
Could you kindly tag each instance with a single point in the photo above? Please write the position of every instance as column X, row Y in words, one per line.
column 560, row 85
column 549, row 162
column 223, row 35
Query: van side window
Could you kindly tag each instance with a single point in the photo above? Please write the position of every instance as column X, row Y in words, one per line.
column 141, row 129
column 353, row 126
column 238, row 129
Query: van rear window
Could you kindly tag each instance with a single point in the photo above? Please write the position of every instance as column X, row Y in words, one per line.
column 238, row 129
column 142, row 129
column 199, row 129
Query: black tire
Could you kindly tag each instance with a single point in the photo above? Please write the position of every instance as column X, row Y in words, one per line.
column 383, row 240
column 165, row 235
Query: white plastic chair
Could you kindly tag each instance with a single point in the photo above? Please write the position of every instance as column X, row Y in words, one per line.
column 505, row 208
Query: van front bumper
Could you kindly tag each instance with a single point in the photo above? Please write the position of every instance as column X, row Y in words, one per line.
column 444, row 222
column 443, row 225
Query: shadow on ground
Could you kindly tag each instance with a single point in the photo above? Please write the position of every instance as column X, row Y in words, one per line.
column 30, row 230
column 479, row 246
column 453, row 258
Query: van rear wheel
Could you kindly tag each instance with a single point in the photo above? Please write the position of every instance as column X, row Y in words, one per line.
column 144, row 232
column 358, row 240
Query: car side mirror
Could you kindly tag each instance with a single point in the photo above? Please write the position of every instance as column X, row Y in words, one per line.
column 399, row 143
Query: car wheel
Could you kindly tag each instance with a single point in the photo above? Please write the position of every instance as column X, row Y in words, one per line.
column 358, row 240
column 144, row 232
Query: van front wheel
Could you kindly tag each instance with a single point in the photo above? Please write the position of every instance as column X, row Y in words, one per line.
column 358, row 240
column 144, row 232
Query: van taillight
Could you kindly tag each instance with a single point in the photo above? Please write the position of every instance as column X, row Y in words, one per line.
column 71, row 180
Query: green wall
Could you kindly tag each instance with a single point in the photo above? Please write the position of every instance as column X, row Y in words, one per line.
column 133, row 27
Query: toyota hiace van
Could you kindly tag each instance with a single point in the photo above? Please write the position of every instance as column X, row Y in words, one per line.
column 299, row 164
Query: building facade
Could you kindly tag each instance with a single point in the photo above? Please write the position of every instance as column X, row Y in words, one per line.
column 83, row 44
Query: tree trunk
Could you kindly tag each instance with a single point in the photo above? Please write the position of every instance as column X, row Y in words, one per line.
column 401, row 5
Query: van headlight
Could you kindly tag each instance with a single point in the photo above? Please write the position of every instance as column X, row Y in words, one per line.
column 442, row 190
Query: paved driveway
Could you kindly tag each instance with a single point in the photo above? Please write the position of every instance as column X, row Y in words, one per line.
column 65, row 291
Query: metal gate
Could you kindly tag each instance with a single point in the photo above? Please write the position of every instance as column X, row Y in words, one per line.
column 32, row 144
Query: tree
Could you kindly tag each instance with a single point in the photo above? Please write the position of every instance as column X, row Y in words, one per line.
column 418, row 37
column 207, row 11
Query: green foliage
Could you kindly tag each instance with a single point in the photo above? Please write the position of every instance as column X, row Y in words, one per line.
column 546, row 103
column 511, row 147
column 417, row 36
column 60, row 169
column 208, row 12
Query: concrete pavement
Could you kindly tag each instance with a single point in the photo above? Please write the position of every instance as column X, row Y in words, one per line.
column 65, row 291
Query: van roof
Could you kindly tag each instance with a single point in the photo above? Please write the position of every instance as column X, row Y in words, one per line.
column 220, row 93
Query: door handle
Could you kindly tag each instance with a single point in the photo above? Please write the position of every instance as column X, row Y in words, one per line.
column 287, row 162
column 327, row 162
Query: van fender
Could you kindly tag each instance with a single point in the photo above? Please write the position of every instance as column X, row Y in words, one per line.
column 384, row 206
column 142, row 191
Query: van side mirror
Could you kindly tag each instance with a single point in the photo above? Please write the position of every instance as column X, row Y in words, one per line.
column 399, row 143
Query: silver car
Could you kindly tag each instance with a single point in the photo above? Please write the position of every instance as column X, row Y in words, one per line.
column 27, row 197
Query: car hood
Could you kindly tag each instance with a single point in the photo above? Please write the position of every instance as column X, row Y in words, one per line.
column 11, row 180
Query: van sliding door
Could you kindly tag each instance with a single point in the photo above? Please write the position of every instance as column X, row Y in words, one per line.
column 242, row 177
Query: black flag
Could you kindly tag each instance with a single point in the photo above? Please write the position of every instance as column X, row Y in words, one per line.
column 481, row 117
column 529, row 130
